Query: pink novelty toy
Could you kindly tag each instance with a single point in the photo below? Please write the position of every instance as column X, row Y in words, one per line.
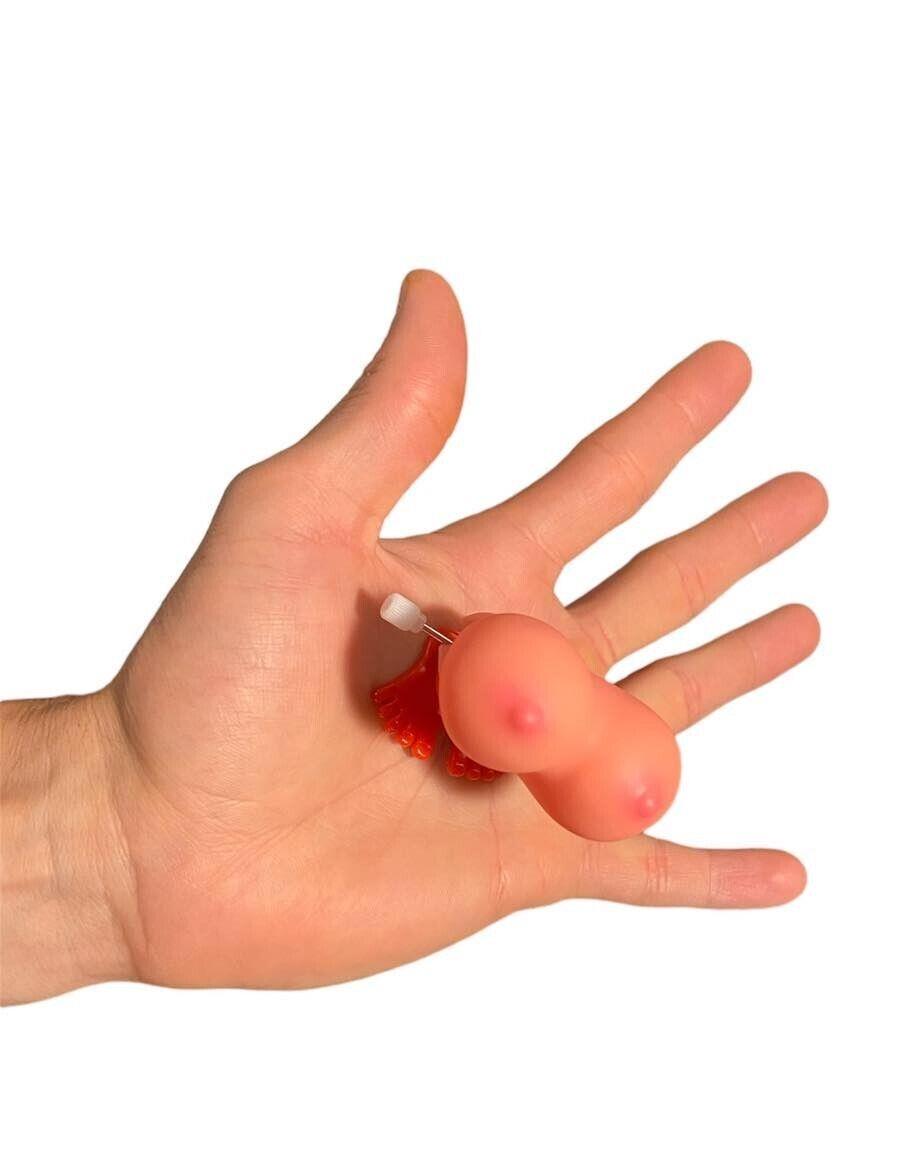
column 515, row 696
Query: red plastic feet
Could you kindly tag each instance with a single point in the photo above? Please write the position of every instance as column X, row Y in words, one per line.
column 408, row 707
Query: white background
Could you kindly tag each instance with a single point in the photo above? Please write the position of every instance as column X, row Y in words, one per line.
column 207, row 210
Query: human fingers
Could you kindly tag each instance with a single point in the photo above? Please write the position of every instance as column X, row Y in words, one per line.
column 673, row 581
column 615, row 469
column 652, row 872
column 683, row 688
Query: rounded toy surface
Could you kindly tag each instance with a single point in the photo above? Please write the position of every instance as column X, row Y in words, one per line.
column 515, row 695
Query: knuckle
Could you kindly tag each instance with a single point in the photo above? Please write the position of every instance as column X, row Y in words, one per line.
column 246, row 486
column 689, row 692
column 540, row 552
column 604, row 641
column 686, row 576
column 711, row 888
column 657, row 876
column 589, row 868
column 630, row 478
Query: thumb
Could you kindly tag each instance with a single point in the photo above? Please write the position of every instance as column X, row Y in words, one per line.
column 398, row 415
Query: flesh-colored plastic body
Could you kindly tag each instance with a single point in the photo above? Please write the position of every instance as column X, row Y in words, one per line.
column 515, row 695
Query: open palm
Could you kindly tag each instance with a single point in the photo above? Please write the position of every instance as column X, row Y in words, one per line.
column 272, row 834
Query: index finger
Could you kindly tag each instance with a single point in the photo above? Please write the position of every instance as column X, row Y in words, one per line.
column 609, row 475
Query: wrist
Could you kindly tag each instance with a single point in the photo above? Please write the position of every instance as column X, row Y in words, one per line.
column 65, row 873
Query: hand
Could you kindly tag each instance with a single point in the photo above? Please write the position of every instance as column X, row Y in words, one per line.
column 242, row 818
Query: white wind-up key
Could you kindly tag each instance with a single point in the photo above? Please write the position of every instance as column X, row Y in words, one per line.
column 406, row 615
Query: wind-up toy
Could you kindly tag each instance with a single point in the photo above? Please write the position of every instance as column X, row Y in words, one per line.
column 514, row 696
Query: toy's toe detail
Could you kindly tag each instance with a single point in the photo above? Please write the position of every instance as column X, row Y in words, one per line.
column 456, row 771
column 408, row 706
column 459, row 766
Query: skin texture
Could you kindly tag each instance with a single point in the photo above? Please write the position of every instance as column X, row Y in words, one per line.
column 228, row 810
column 515, row 695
